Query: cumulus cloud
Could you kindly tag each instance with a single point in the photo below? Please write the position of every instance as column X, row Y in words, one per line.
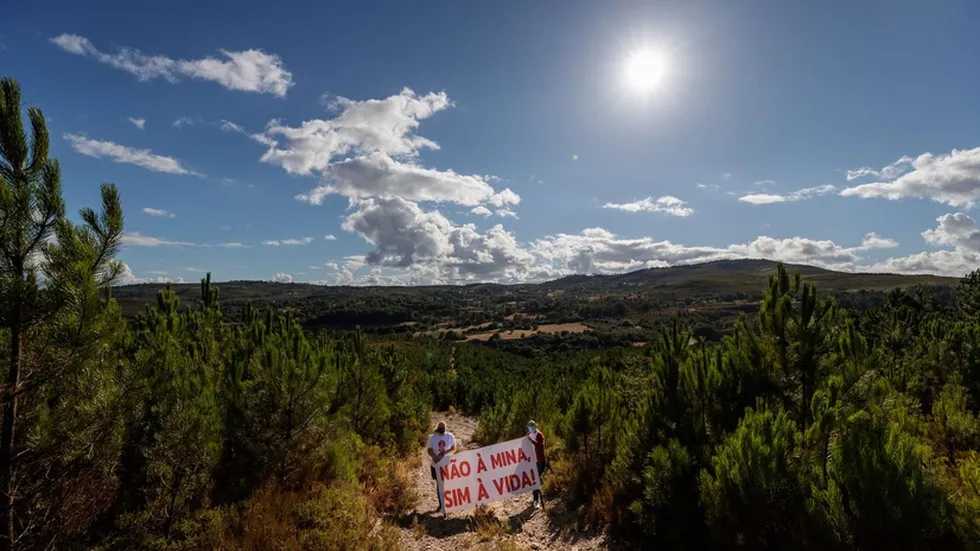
column 287, row 242
column 378, row 175
column 798, row 195
column 128, row 155
column 404, row 236
column 428, row 247
column 953, row 179
column 505, row 212
column 282, row 278
column 371, row 149
column 363, row 127
column 127, row 277
column 158, row 212
column 330, row 237
column 956, row 230
column 481, row 211
column 138, row 123
column 667, row 204
column 248, row 70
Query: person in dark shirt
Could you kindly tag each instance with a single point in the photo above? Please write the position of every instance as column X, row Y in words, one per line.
column 537, row 438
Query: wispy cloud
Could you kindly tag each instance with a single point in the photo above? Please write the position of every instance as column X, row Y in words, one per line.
column 330, row 237
column 159, row 212
column 185, row 121
column 889, row 172
column 248, row 70
column 228, row 126
column 667, row 204
column 136, row 239
column 798, row 195
column 286, row 242
column 138, row 123
column 127, row 155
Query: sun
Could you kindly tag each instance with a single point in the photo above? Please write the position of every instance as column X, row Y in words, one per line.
column 644, row 70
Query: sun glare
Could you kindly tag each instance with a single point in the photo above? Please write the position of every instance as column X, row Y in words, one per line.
column 644, row 70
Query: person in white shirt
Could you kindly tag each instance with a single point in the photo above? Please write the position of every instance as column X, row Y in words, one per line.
column 441, row 443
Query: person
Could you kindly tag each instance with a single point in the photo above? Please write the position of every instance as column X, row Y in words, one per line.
column 441, row 443
column 537, row 439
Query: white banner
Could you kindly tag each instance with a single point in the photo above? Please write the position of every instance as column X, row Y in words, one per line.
column 487, row 474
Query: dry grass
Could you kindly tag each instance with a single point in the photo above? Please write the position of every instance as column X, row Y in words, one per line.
column 514, row 334
column 488, row 526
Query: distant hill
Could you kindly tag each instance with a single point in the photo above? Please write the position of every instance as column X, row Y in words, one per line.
column 710, row 294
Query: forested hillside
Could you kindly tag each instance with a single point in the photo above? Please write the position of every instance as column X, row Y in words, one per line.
column 614, row 309
column 806, row 425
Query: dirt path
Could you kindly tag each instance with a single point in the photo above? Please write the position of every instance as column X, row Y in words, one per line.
column 426, row 528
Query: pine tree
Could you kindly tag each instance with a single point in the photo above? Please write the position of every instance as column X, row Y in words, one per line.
column 37, row 242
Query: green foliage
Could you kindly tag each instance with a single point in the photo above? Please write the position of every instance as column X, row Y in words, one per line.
column 756, row 472
column 887, row 496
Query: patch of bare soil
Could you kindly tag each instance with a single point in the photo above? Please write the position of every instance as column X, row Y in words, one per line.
column 550, row 527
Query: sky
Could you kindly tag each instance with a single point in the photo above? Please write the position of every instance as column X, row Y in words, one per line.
column 455, row 142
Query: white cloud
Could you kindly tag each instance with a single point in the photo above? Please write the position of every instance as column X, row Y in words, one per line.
column 798, row 195
column 667, row 204
column 228, row 126
column 248, row 70
column 138, row 123
column 286, row 242
column 481, row 211
column 405, row 236
column 378, row 175
column 195, row 269
column 126, row 277
column 505, row 212
column 122, row 154
column 385, row 126
column 186, row 121
column 314, row 268
column 330, row 237
column 953, row 179
column 765, row 183
column 136, row 239
column 158, row 212
column 710, row 187
column 282, row 278
column 598, row 250
column 873, row 241
column 888, row 172
column 957, row 230
column 370, row 149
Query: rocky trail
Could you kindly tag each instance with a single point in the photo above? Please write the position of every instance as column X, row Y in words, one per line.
column 517, row 527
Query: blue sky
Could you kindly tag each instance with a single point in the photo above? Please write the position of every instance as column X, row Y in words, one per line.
column 502, row 141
